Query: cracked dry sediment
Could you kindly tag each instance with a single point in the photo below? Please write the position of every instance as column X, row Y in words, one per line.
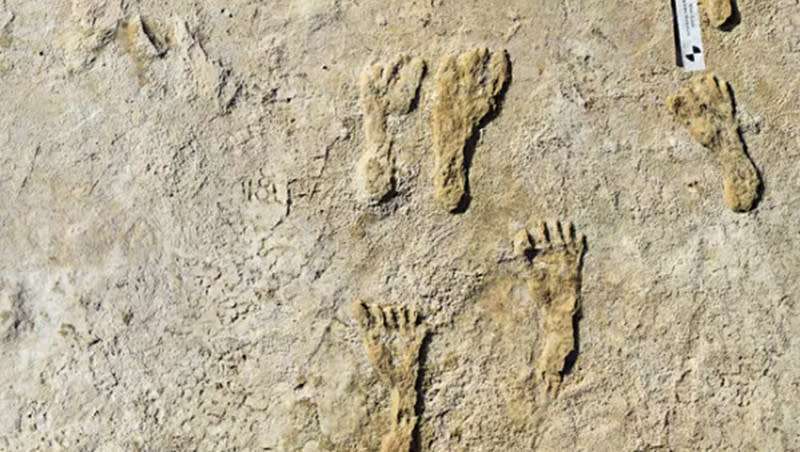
column 718, row 12
column 552, row 265
column 705, row 106
column 467, row 90
column 386, row 89
column 393, row 336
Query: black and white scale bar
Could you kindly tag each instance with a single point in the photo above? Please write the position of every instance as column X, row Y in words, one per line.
column 688, row 40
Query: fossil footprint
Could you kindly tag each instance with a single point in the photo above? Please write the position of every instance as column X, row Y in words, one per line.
column 552, row 262
column 717, row 11
column 386, row 89
column 393, row 336
column 467, row 88
column 706, row 108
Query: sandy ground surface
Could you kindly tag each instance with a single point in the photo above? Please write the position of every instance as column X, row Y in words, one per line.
column 314, row 225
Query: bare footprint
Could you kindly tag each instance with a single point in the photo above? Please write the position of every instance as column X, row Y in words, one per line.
column 553, row 261
column 393, row 337
column 718, row 12
column 706, row 108
column 467, row 88
column 386, row 89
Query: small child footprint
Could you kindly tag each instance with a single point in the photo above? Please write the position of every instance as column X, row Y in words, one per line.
column 706, row 108
column 467, row 88
column 553, row 262
column 386, row 89
column 393, row 337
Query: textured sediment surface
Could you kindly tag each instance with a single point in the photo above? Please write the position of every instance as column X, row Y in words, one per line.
column 222, row 227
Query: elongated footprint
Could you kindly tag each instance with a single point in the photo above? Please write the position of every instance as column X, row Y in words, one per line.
column 387, row 89
column 706, row 108
column 467, row 88
column 393, row 336
column 552, row 258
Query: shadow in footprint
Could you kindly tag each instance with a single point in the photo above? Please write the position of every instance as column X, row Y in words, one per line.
column 734, row 20
column 419, row 407
column 572, row 357
column 760, row 190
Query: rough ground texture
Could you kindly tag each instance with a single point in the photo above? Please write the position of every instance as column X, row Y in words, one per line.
column 183, row 232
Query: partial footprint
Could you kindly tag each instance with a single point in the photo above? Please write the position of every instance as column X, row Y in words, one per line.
column 719, row 12
column 706, row 107
column 386, row 89
column 553, row 264
column 393, row 337
column 467, row 90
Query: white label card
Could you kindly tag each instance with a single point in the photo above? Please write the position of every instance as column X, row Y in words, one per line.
column 690, row 38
